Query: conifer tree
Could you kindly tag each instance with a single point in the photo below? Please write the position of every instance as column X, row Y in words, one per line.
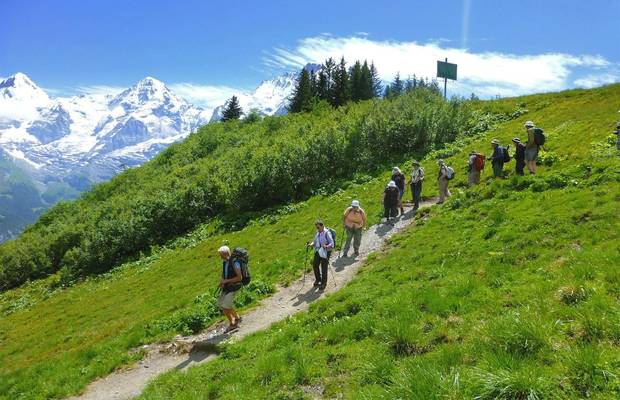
column 341, row 89
column 302, row 99
column 367, row 91
column 397, row 86
column 377, row 87
column 232, row 109
column 387, row 93
column 357, row 84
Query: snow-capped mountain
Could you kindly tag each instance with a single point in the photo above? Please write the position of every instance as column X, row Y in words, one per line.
column 77, row 141
column 269, row 98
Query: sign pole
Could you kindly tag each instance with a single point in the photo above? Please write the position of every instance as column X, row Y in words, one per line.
column 445, row 85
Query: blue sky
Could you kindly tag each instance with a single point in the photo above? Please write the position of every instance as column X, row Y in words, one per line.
column 207, row 49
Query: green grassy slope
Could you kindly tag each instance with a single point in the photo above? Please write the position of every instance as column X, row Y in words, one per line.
column 52, row 343
column 508, row 291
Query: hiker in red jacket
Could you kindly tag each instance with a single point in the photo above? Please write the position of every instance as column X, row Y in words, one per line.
column 475, row 164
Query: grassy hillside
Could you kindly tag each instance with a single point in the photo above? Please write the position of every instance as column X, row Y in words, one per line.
column 54, row 341
column 223, row 169
column 509, row 291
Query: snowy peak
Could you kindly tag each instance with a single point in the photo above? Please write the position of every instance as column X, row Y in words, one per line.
column 20, row 87
column 145, row 91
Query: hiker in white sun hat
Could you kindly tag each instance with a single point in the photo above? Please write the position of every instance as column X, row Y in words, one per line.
column 354, row 220
column 391, row 196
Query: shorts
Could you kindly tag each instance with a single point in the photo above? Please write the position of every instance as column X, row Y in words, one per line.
column 227, row 300
column 531, row 154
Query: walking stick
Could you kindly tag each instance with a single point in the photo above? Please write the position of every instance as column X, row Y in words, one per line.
column 305, row 266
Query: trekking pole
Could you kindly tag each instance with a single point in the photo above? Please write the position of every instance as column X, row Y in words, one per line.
column 303, row 282
column 331, row 268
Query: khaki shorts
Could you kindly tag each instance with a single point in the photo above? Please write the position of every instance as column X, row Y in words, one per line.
column 226, row 300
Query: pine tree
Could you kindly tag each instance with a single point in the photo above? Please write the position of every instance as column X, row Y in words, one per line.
column 377, row 87
column 387, row 93
column 341, row 87
column 397, row 86
column 357, row 84
column 303, row 98
column 368, row 91
column 232, row 109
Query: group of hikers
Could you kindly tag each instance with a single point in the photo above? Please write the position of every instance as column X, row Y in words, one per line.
column 235, row 271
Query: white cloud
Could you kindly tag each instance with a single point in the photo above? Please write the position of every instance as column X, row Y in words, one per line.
column 594, row 80
column 206, row 96
column 99, row 90
column 486, row 74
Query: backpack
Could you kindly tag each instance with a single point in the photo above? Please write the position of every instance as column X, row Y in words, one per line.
column 240, row 254
column 479, row 162
column 539, row 136
column 450, row 173
column 333, row 233
column 505, row 155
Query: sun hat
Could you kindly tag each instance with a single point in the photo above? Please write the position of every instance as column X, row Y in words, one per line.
column 416, row 162
column 395, row 170
column 224, row 249
column 392, row 184
column 440, row 162
column 355, row 203
column 473, row 152
column 494, row 141
column 516, row 140
column 528, row 124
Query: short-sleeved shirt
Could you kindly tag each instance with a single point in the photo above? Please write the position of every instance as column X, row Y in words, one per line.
column 228, row 273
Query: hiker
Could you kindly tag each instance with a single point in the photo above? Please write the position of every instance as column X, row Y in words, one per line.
column 443, row 179
column 531, row 147
column 497, row 159
column 323, row 244
column 519, row 156
column 475, row 164
column 229, row 285
column 390, row 201
column 399, row 178
column 353, row 220
column 417, row 177
column 617, row 133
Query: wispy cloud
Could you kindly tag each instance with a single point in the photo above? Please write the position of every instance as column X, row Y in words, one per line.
column 206, row 96
column 465, row 23
column 99, row 90
column 486, row 74
column 594, row 80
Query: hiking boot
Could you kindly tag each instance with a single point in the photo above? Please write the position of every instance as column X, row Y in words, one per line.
column 322, row 286
column 231, row 328
column 356, row 254
column 402, row 211
column 317, row 283
column 345, row 255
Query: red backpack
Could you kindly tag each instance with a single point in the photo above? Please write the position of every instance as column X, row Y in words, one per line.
column 479, row 162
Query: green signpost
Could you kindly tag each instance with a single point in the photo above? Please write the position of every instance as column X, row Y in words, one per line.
column 446, row 71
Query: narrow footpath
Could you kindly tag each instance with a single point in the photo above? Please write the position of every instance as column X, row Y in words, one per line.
column 186, row 351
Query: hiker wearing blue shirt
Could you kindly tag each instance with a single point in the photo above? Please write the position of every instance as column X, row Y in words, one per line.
column 230, row 283
column 497, row 159
column 323, row 244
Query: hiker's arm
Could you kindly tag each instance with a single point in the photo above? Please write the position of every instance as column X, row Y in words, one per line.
column 330, row 242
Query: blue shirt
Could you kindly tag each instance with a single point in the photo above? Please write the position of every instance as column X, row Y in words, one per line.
column 323, row 238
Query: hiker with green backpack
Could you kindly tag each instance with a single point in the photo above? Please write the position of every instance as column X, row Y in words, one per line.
column 535, row 139
column 230, row 283
column 323, row 245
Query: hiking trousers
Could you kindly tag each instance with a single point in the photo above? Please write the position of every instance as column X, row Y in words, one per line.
column 443, row 189
column 320, row 275
column 416, row 192
column 473, row 177
column 390, row 210
column 498, row 169
column 519, row 167
column 354, row 234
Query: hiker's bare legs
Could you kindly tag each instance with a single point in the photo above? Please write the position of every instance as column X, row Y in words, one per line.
column 531, row 165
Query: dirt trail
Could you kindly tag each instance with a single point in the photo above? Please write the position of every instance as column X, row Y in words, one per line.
column 184, row 352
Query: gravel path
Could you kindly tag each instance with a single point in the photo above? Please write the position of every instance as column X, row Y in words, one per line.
column 184, row 352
